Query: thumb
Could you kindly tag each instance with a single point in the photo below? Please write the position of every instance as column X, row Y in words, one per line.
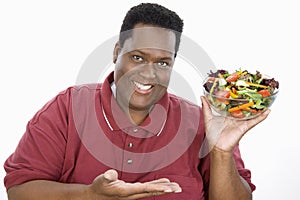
column 206, row 108
column 103, row 180
column 110, row 176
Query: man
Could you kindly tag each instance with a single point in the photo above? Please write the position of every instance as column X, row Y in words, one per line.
column 128, row 138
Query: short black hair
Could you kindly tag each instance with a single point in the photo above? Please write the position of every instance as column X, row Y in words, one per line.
column 152, row 14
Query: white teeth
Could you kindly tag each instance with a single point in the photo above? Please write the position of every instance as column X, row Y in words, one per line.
column 142, row 86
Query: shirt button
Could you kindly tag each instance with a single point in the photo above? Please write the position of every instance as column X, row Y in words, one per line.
column 130, row 145
column 129, row 161
column 135, row 130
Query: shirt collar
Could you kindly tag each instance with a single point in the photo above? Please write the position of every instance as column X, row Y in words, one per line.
column 113, row 88
column 116, row 118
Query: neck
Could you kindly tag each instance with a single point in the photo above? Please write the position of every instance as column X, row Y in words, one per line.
column 137, row 116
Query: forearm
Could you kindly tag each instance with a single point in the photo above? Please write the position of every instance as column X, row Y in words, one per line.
column 225, row 181
column 42, row 189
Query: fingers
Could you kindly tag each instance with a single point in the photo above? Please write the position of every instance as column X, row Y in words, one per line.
column 163, row 187
column 149, row 187
column 108, row 185
column 155, row 188
column 257, row 120
column 161, row 180
column 206, row 108
column 224, row 133
column 205, row 104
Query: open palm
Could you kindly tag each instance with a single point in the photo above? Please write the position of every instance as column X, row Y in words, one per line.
column 107, row 186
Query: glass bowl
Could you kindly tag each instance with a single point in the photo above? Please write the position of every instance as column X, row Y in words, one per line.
column 239, row 99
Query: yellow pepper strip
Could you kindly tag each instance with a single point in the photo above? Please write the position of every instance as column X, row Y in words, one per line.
column 240, row 72
column 244, row 73
column 243, row 106
column 213, row 86
column 233, row 95
column 256, row 85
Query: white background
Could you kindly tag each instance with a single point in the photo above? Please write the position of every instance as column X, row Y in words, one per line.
column 43, row 46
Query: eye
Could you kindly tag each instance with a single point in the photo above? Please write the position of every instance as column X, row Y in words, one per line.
column 163, row 64
column 137, row 58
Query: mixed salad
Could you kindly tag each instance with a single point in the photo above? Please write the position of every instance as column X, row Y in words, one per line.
column 240, row 94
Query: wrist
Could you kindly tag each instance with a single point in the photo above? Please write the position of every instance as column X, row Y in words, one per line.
column 221, row 154
column 90, row 193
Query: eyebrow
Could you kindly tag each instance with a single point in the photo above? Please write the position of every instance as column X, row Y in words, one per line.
column 144, row 53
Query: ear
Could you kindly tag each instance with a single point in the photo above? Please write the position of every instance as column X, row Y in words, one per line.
column 116, row 52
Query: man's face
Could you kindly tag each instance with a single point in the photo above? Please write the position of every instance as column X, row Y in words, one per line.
column 143, row 67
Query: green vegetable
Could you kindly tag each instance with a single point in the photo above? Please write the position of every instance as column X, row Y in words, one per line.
column 246, row 88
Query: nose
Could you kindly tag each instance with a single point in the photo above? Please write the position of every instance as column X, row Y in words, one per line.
column 148, row 71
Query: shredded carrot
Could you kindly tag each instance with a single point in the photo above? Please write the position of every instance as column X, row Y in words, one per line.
column 243, row 106
column 253, row 111
column 256, row 85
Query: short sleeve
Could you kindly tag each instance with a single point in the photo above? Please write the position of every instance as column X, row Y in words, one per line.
column 245, row 173
column 40, row 152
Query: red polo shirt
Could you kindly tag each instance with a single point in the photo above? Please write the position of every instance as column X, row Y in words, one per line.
column 82, row 132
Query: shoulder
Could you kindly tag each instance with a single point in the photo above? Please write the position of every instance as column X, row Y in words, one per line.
column 189, row 112
column 83, row 89
column 67, row 94
column 180, row 101
column 87, row 87
column 60, row 104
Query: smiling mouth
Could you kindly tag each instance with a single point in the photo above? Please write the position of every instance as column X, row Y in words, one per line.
column 143, row 88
